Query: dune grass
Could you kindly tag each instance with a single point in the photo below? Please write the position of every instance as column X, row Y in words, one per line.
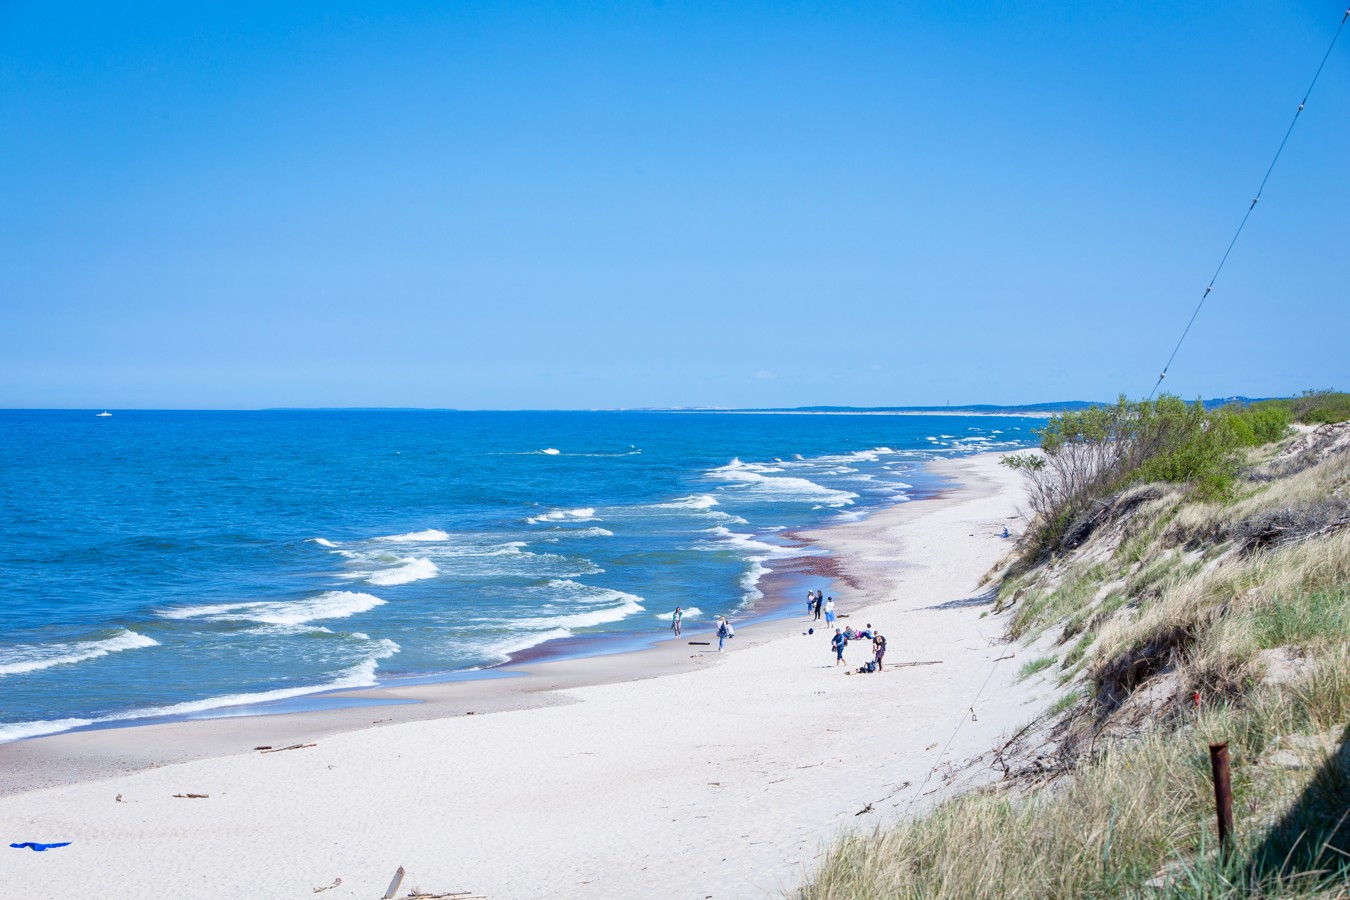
column 1243, row 599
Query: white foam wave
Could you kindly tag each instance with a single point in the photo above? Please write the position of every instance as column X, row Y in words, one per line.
column 361, row 674
column 602, row 605
column 748, row 546
column 781, row 488
column 323, row 542
column 583, row 532
column 416, row 537
column 503, row 650
column 20, row 730
column 410, row 569
column 690, row 612
column 697, row 501
column 328, row 605
column 550, row 451
column 750, row 581
column 32, row 658
column 586, row 514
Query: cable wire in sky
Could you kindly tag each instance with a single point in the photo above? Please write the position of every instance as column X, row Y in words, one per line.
column 1243, row 224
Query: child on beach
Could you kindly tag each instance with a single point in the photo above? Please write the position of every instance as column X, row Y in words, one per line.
column 839, row 642
column 675, row 619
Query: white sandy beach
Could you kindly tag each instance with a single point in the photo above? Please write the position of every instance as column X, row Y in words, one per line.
column 724, row 776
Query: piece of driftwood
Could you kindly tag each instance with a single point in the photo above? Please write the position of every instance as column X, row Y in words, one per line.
column 264, row 747
column 393, row 885
column 291, row 747
column 193, row 796
column 453, row 895
column 865, row 809
column 700, row 643
column 928, row 662
column 328, row 887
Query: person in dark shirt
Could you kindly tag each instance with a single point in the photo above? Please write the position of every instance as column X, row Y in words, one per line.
column 878, row 649
column 839, row 642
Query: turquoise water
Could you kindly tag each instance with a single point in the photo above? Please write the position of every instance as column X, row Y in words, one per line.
column 177, row 563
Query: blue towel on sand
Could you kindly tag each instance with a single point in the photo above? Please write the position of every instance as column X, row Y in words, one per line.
column 36, row 846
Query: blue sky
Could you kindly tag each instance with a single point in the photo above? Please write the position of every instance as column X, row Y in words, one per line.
column 562, row 205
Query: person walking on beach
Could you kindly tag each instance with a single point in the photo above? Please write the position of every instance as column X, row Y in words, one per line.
column 829, row 611
column 818, row 596
column 724, row 631
column 878, row 649
column 675, row 619
column 839, row 642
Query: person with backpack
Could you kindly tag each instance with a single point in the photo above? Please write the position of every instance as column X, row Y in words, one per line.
column 878, row 649
column 724, row 631
column 838, row 642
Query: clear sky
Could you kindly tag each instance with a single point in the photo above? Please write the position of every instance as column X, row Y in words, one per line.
column 576, row 205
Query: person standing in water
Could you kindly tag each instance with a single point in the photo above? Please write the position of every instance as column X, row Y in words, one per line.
column 675, row 619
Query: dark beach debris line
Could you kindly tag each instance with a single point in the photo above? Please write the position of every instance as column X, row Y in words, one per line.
column 193, row 796
column 282, row 749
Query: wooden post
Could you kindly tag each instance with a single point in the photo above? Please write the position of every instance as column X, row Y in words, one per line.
column 1223, row 795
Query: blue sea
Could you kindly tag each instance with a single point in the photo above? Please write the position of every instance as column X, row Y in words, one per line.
column 207, row 563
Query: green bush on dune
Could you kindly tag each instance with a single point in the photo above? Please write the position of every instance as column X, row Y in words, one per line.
column 1090, row 454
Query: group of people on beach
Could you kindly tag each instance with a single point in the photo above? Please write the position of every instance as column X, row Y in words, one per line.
column 724, row 627
column 842, row 636
column 816, row 605
column 817, row 602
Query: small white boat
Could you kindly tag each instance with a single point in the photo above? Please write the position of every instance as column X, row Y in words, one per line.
column 103, row 414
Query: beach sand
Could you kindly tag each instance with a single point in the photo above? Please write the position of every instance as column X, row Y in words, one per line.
column 670, row 772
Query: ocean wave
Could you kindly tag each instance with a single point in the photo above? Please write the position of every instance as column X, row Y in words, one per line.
column 690, row 612
column 323, row 542
column 362, row 674
column 748, row 546
column 34, row 657
column 750, row 582
column 581, row 532
column 328, row 605
column 585, row 514
column 416, row 537
column 603, row 605
column 502, row 650
column 550, row 451
column 409, row 569
column 780, row 488
column 697, row 501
